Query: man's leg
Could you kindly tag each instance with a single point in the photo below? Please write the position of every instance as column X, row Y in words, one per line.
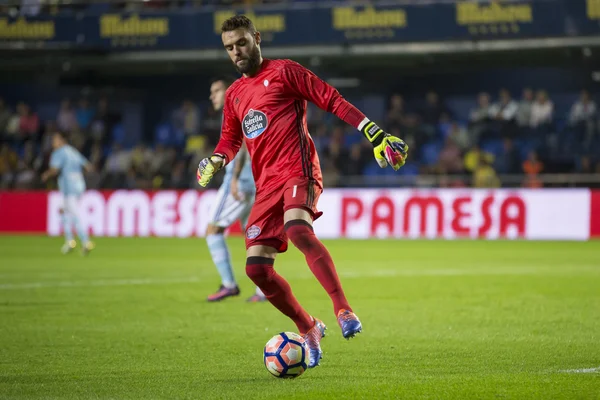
column 259, row 268
column 66, row 219
column 300, row 197
column 73, row 206
column 219, row 252
column 258, row 295
column 265, row 237
column 223, row 213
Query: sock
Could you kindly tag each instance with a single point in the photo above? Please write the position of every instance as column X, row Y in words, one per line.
column 67, row 226
column 220, row 256
column 83, row 236
column 319, row 260
column 259, row 292
column 276, row 289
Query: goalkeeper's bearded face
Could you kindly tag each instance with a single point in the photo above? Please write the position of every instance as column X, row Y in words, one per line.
column 243, row 48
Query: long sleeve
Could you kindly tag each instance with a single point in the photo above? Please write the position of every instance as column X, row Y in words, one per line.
column 231, row 133
column 306, row 85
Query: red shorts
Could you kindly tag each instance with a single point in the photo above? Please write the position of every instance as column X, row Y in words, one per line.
column 265, row 224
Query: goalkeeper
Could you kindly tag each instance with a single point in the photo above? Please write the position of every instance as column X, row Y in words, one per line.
column 266, row 108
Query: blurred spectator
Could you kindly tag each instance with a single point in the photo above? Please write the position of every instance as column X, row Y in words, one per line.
column 505, row 109
column 479, row 117
column 117, row 164
column 320, row 138
column 96, row 158
column 357, row 159
column 131, row 179
column 187, row 118
column 66, row 118
column 29, row 122
column 103, row 122
column 433, row 109
column 179, row 178
column 5, row 115
column 84, row 114
column 484, row 175
column 505, row 112
column 524, row 109
column 159, row 160
column 13, row 127
column 542, row 110
column 25, row 177
column 78, row 139
column 395, row 116
column 164, row 172
column 460, row 135
column 211, row 125
column 508, row 161
column 583, row 110
column 450, row 161
column 8, row 165
column 141, row 157
column 583, row 117
column 336, row 153
column 472, row 158
column 532, row 168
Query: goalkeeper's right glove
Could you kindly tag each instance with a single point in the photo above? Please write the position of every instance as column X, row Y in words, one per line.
column 387, row 149
column 208, row 167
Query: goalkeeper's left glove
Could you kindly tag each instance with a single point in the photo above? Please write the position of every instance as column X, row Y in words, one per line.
column 387, row 149
column 208, row 167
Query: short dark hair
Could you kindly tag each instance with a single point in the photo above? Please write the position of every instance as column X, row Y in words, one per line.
column 226, row 79
column 60, row 133
column 237, row 22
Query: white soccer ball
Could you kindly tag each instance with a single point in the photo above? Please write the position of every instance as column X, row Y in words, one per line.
column 286, row 355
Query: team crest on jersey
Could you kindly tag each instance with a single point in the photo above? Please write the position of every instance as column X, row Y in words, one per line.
column 252, row 232
column 254, row 123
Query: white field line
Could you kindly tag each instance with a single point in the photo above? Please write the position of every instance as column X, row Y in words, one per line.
column 582, row 371
column 481, row 271
column 101, row 282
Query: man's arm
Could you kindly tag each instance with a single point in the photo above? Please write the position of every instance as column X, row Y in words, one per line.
column 54, row 167
column 231, row 134
column 237, row 171
column 239, row 162
column 306, row 85
column 50, row 173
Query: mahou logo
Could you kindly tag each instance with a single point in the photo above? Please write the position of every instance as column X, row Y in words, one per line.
column 254, row 124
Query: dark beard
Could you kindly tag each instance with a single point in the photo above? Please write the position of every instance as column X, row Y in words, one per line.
column 253, row 63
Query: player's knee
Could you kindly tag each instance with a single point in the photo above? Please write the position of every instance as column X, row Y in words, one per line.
column 301, row 234
column 259, row 269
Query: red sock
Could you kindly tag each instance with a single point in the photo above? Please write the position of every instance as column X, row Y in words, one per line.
column 319, row 260
column 276, row 289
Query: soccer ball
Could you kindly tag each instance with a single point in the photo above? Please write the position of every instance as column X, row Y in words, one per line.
column 285, row 355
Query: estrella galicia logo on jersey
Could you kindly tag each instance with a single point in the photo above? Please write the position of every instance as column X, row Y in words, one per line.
column 254, row 124
column 252, row 232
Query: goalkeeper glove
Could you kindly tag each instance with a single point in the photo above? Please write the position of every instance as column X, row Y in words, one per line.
column 388, row 149
column 208, row 167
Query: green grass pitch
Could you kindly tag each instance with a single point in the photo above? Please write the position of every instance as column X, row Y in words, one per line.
column 442, row 320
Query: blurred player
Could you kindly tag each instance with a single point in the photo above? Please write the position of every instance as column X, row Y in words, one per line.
column 68, row 164
column 234, row 201
column 266, row 108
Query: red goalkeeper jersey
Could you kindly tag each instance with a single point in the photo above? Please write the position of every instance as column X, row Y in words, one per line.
column 268, row 112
